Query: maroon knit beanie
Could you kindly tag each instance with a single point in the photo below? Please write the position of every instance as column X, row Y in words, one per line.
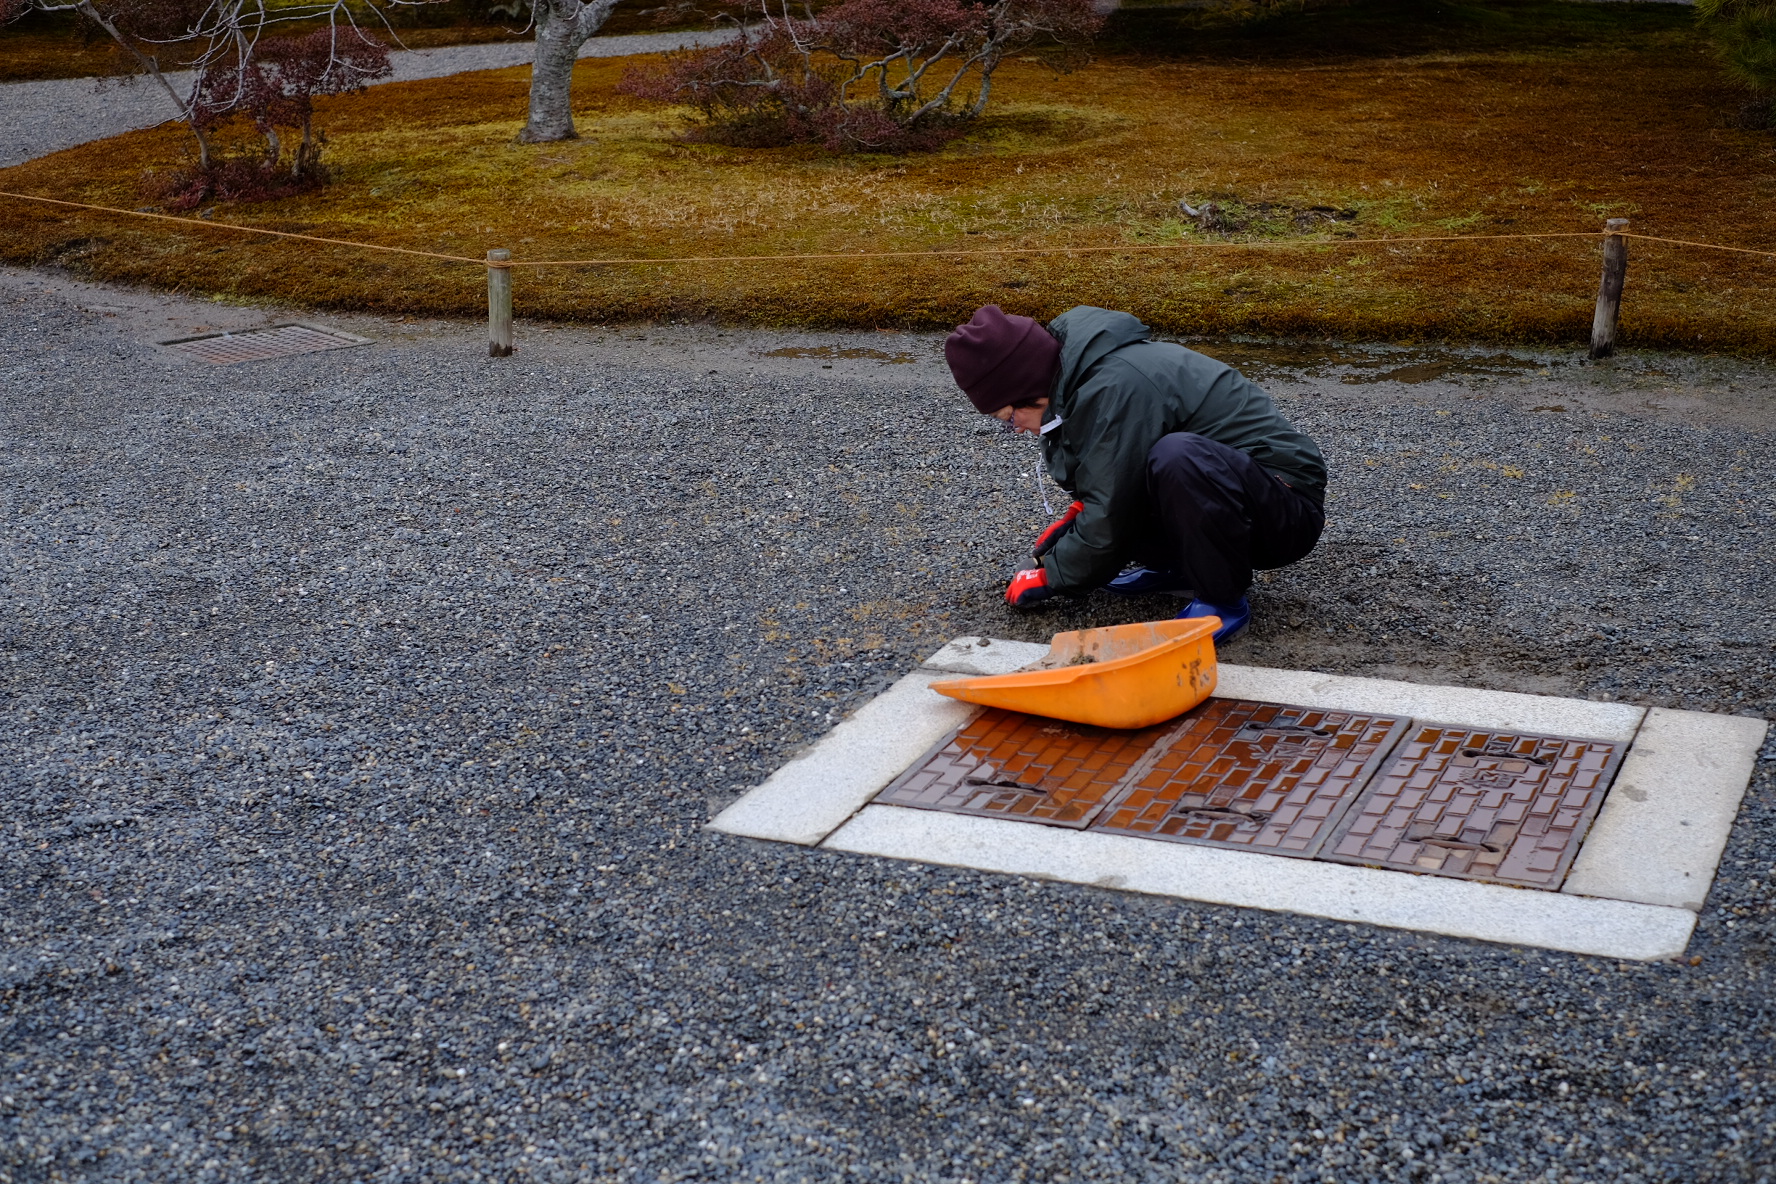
column 1000, row 359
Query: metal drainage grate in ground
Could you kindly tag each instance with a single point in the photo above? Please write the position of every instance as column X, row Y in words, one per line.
column 1298, row 781
column 1480, row 805
column 1007, row 765
column 273, row 341
column 1230, row 773
column 1257, row 776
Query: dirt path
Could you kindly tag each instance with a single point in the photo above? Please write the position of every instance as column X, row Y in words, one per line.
column 37, row 118
column 1688, row 389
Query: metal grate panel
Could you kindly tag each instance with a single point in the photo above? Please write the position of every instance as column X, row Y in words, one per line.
column 274, row 341
column 1007, row 765
column 1503, row 807
column 1256, row 776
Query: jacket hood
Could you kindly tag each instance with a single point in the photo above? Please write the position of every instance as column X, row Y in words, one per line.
column 1088, row 335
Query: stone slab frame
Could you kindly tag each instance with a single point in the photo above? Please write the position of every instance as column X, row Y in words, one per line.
column 1639, row 880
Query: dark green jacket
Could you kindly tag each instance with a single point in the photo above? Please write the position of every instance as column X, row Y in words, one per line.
column 1116, row 394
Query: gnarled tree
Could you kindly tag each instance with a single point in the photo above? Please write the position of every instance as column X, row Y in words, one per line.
column 882, row 75
column 273, row 84
column 562, row 27
column 143, row 31
column 240, row 61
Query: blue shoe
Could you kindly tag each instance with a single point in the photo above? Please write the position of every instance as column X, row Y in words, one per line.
column 1234, row 617
column 1145, row 581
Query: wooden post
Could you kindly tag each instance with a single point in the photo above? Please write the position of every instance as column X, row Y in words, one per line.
column 499, row 303
column 1609, row 289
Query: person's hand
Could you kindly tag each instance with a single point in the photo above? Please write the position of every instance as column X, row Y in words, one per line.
column 1047, row 539
column 1028, row 588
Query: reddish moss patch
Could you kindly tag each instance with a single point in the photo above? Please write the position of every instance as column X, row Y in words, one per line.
column 1501, row 141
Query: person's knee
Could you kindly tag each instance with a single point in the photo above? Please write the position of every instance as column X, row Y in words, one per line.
column 1182, row 460
column 1181, row 446
column 1288, row 538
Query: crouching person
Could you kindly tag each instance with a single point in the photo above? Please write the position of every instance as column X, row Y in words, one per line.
column 1181, row 466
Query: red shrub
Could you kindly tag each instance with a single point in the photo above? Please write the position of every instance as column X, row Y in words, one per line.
column 275, row 83
column 866, row 75
column 274, row 87
column 227, row 179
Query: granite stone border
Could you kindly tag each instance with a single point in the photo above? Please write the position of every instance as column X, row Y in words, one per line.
column 1634, row 891
column 1340, row 892
column 1659, row 837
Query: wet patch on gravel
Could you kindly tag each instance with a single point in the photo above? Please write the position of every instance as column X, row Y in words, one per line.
column 363, row 710
column 833, row 351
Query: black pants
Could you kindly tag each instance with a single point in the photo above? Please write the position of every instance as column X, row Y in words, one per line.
column 1218, row 515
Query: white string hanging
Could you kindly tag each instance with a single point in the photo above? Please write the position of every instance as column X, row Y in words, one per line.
column 1042, row 465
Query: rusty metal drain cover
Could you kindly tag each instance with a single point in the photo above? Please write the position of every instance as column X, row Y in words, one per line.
column 1008, row 765
column 274, row 341
column 1495, row 806
column 1257, row 776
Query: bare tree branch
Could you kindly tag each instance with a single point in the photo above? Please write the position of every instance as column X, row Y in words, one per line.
column 748, row 93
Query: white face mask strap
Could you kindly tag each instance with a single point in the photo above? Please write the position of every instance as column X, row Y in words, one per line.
column 1042, row 466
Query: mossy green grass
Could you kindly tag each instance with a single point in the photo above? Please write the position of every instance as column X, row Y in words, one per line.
column 1547, row 135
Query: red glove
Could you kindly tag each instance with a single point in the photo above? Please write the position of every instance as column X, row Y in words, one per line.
column 1047, row 539
column 1028, row 588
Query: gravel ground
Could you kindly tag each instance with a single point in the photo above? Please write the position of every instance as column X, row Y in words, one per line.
column 362, row 712
column 37, row 118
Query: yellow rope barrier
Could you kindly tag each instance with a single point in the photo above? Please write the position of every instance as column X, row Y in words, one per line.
column 212, row 225
column 1684, row 242
column 987, row 251
column 975, row 252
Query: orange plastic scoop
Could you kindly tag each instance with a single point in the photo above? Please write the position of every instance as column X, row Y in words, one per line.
column 1124, row 676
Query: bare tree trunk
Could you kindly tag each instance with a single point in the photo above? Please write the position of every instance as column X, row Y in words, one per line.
column 551, row 77
column 307, row 153
column 986, row 89
column 151, row 67
column 562, row 27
